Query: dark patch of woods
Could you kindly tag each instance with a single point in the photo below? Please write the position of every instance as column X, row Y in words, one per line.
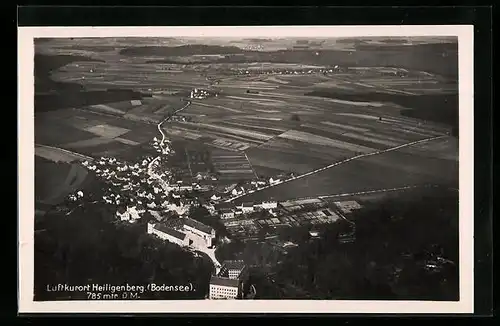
column 394, row 242
column 90, row 246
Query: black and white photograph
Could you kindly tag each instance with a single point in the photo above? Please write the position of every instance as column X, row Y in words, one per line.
column 245, row 166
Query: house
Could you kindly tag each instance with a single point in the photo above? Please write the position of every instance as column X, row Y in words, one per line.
column 229, row 282
column 224, row 288
column 168, row 234
column 215, row 197
column 268, row 204
column 237, row 191
column 314, row 233
column 210, row 208
column 274, row 181
column 134, row 214
column 233, row 269
column 123, row 214
column 204, row 231
column 226, row 213
column 246, row 208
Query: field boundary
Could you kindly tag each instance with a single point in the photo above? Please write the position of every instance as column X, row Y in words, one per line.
column 65, row 151
column 342, row 162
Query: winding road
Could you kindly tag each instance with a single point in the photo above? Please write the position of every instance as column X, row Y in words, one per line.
column 162, row 182
column 210, row 252
column 339, row 163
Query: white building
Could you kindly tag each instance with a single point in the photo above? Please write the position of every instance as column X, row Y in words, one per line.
column 206, row 232
column 224, row 288
column 134, row 214
column 267, row 204
column 229, row 282
column 168, row 234
column 246, row 208
column 226, row 213
column 123, row 214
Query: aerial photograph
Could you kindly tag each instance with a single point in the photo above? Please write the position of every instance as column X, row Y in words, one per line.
column 218, row 168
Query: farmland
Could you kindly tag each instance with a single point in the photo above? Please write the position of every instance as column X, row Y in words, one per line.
column 274, row 113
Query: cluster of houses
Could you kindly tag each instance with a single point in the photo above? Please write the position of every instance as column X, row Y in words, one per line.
column 165, row 149
column 200, row 94
column 129, row 183
column 235, row 190
column 284, row 71
column 228, row 210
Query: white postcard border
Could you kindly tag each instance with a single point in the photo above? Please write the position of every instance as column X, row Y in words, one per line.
column 26, row 304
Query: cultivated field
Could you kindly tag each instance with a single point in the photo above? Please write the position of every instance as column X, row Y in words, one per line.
column 272, row 119
column 54, row 181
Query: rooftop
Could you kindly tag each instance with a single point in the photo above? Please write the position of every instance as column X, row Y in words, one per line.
column 224, row 206
column 234, row 264
column 224, row 281
column 173, row 223
column 197, row 225
column 172, row 232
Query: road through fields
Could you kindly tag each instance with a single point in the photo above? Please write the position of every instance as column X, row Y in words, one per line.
column 339, row 163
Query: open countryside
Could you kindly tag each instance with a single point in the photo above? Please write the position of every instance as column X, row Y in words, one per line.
column 184, row 159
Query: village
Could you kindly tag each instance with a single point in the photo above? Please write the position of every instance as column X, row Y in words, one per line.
column 160, row 197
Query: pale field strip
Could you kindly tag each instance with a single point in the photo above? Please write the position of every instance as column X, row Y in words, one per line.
column 341, row 126
column 319, row 140
column 353, row 103
column 242, row 132
column 412, row 130
column 371, row 139
column 229, row 144
column 239, row 171
column 226, row 148
column 106, row 130
column 414, row 125
column 277, row 80
column 88, row 142
column 180, row 132
column 395, row 91
column 106, row 108
column 267, row 104
column 232, row 138
column 264, row 100
column 376, row 135
column 59, row 154
column 127, row 141
column 264, row 118
column 280, row 130
column 217, row 107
